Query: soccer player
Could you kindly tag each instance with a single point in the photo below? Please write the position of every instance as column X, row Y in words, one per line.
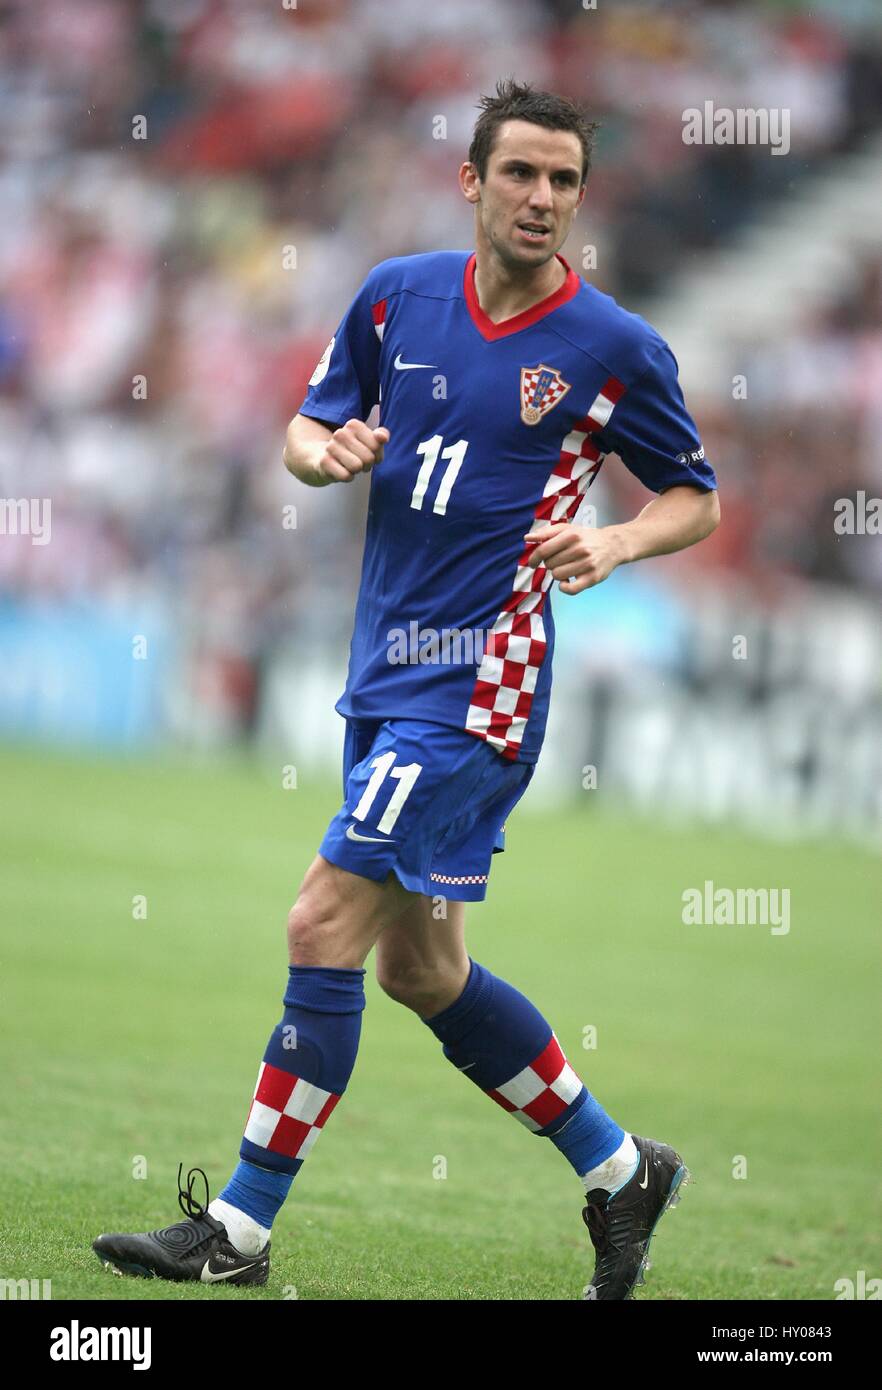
column 503, row 381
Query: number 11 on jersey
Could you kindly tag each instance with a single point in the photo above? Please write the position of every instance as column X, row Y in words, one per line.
column 430, row 449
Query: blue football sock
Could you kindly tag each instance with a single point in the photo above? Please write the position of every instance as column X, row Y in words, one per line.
column 257, row 1191
column 501, row 1042
column 304, row 1072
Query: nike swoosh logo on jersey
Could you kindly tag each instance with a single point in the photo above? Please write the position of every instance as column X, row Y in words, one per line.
column 411, row 366
column 645, row 1178
column 208, row 1277
column 352, row 834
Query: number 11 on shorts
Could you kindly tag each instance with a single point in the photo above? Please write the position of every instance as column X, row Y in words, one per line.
column 406, row 777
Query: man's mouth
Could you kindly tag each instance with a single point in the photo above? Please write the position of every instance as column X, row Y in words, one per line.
column 534, row 231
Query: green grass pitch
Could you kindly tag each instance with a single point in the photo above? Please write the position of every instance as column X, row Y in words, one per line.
column 125, row 1038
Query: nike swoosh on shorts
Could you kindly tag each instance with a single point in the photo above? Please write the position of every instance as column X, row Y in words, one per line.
column 352, row 834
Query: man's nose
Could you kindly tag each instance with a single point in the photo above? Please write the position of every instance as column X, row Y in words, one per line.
column 540, row 193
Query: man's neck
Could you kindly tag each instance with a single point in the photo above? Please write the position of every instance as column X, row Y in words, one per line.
column 504, row 291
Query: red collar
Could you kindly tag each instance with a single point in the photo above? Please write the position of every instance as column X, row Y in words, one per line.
column 490, row 330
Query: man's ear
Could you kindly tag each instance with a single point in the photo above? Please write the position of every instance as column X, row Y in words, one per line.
column 469, row 182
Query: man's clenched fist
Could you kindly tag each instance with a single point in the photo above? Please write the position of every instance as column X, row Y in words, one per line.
column 353, row 449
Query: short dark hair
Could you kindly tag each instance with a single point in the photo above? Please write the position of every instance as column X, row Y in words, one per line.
column 518, row 101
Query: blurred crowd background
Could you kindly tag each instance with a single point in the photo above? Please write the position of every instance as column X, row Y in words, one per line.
column 192, row 190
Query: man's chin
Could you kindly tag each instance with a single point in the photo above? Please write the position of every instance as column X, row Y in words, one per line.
column 522, row 254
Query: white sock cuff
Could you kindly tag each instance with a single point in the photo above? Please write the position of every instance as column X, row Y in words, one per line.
column 246, row 1234
column 614, row 1171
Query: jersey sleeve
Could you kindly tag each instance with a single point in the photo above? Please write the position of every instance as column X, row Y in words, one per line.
column 653, row 433
column 345, row 383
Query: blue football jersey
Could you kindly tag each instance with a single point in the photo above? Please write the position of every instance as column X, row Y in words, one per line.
column 495, row 430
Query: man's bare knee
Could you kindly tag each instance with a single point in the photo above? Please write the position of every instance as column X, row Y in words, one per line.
column 312, row 938
column 336, row 918
column 406, row 985
column 424, row 989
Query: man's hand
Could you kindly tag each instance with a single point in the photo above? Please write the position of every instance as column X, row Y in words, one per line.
column 317, row 454
column 353, row 449
column 580, row 556
column 577, row 556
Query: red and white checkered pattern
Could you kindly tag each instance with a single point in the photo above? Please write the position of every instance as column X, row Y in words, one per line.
column 605, row 402
column 460, row 878
column 378, row 312
column 542, row 1091
column 554, row 392
column 287, row 1113
column 516, row 645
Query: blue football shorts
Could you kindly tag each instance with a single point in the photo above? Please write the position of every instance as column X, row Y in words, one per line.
column 426, row 801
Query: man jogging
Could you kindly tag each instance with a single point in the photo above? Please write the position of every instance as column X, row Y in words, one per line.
column 503, row 381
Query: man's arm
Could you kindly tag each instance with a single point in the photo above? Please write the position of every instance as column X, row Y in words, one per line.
column 681, row 516
column 344, row 386
column 318, row 454
column 581, row 556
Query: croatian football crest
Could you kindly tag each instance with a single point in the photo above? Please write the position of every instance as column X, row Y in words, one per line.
column 541, row 389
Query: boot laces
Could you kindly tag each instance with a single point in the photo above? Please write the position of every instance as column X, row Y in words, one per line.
column 196, row 1212
column 186, row 1201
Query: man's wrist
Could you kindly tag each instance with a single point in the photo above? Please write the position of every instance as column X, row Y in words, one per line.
column 307, row 470
column 624, row 542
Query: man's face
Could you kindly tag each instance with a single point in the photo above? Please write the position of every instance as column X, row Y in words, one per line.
column 530, row 194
